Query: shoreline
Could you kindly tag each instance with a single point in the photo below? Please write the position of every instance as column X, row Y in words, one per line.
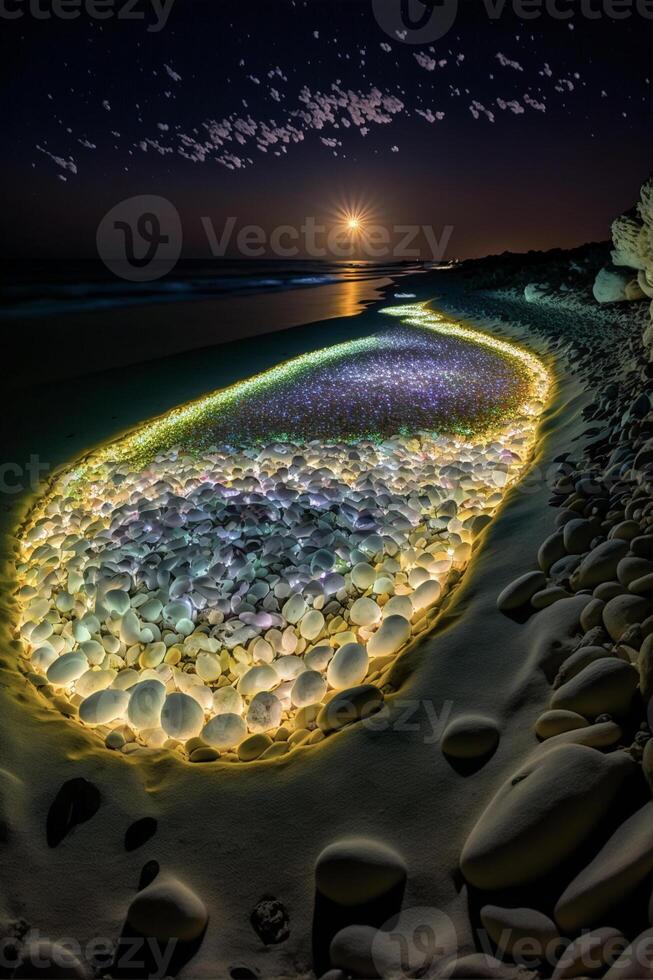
column 138, row 335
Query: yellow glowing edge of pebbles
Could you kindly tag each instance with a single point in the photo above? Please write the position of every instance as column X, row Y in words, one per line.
column 151, row 436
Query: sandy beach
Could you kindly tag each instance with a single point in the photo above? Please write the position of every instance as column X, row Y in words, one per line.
column 236, row 837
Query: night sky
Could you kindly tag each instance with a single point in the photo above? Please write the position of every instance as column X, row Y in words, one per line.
column 518, row 134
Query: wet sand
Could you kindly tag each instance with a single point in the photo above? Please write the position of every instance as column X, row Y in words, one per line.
column 60, row 347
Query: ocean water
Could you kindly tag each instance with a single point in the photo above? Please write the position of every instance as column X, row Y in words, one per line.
column 42, row 290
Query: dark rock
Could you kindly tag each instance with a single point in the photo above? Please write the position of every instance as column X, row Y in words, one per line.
column 270, row 921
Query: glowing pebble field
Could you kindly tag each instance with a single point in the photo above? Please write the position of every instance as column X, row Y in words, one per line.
column 237, row 578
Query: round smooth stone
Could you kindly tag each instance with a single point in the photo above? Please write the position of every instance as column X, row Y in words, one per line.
column 115, row 740
column 426, row 594
column 399, row 605
column 167, row 910
column 176, row 610
column 262, row 651
column 117, row 601
column 151, row 611
column 152, row 655
column 383, row 585
column 352, row 950
column 417, row 576
column 208, row 666
column 553, row 723
column 392, row 634
column 130, row 628
column 146, row 703
column 126, row 679
column 332, row 583
column 294, row 609
column 42, row 658
column 93, row 681
column 363, row 576
column 520, row 591
column 181, row 716
column 350, row 706
column 357, row 870
column 372, row 544
column 204, row 754
column 289, row 667
column 64, row 602
column 66, row 669
column 470, row 737
column 225, row 731
column 104, row 707
column 322, row 561
column 93, row 651
column 41, row 633
column 311, row 625
column 264, row 712
column 365, row 612
column 227, row 701
column 258, row 679
column 253, row 747
column 348, row 667
column 309, row 688
column 319, row 657
column 185, row 626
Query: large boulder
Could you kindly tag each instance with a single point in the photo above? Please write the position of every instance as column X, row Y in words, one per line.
column 621, row 864
column 541, row 815
column 605, row 686
column 610, row 285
